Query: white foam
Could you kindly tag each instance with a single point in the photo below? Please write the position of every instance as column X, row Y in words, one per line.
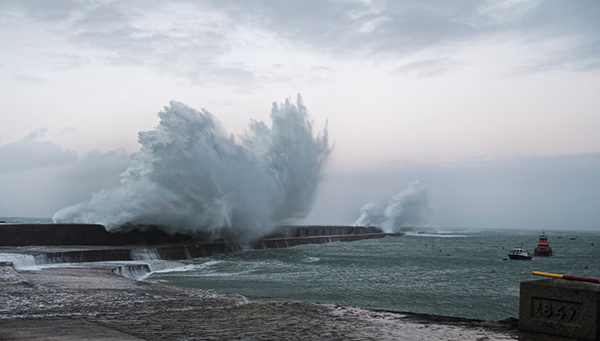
column 408, row 208
column 190, row 175
column 416, row 234
column 20, row 261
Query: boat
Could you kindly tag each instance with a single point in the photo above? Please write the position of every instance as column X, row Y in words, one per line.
column 543, row 248
column 520, row 253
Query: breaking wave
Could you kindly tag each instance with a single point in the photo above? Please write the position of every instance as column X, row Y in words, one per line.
column 408, row 208
column 190, row 176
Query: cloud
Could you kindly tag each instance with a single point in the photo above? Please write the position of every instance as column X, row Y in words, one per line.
column 39, row 177
column 46, row 10
column 68, row 129
column 202, row 41
column 30, row 153
column 568, row 34
column 77, row 181
column 356, row 29
column 429, row 67
column 169, row 37
column 97, row 166
column 29, row 80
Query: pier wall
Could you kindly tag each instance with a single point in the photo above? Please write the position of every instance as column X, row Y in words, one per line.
column 57, row 243
column 82, row 234
column 96, row 235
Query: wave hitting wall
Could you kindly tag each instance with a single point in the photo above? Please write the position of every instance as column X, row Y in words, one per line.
column 190, row 176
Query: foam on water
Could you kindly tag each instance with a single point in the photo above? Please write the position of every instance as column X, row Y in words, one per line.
column 192, row 177
column 435, row 235
column 140, row 271
column 20, row 261
column 146, row 263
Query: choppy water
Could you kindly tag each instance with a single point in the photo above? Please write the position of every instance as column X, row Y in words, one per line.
column 464, row 273
column 452, row 273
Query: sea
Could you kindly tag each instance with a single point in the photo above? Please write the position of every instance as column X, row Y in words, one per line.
column 460, row 272
column 453, row 272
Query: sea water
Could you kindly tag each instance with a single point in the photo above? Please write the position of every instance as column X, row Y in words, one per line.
column 463, row 273
column 460, row 272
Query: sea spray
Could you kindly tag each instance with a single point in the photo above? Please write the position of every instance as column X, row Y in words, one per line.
column 190, row 176
column 408, row 208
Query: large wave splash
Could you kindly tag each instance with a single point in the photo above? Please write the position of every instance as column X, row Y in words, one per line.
column 191, row 177
column 408, row 208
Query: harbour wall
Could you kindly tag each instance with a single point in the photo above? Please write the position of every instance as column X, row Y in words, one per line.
column 59, row 243
column 82, row 234
column 96, row 235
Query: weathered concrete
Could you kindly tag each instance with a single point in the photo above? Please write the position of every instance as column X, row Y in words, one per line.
column 73, row 243
column 82, row 234
column 81, row 254
column 95, row 304
column 561, row 307
column 92, row 234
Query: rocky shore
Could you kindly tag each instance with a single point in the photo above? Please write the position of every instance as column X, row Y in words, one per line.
column 96, row 304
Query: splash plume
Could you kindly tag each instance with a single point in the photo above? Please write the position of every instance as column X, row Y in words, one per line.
column 408, row 208
column 190, row 176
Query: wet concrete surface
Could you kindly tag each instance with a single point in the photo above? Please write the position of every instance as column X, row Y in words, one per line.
column 96, row 304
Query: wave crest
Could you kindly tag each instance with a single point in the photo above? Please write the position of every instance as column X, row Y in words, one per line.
column 190, row 176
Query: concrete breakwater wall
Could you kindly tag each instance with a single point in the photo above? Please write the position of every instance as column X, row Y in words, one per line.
column 71, row 243
column 82, row 234
column 96, row 235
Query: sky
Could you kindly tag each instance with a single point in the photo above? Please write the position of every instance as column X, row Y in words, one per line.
column 494, row 105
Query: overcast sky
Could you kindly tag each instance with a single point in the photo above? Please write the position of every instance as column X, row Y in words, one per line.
column 494, row 104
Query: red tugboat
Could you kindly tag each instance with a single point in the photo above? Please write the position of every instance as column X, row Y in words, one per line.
column 543, row 249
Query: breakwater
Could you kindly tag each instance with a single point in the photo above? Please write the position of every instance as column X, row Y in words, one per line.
column 83, row 234
column 71, row 243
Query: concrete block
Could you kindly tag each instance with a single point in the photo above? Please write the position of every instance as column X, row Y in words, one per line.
column 560, row 307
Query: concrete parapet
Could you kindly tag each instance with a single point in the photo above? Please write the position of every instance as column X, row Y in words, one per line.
column 274, row 243
column 82, row 234
column 75, row 243
column 179, row 251
column 324, row 230
column 96, row 235
column 560, row 307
